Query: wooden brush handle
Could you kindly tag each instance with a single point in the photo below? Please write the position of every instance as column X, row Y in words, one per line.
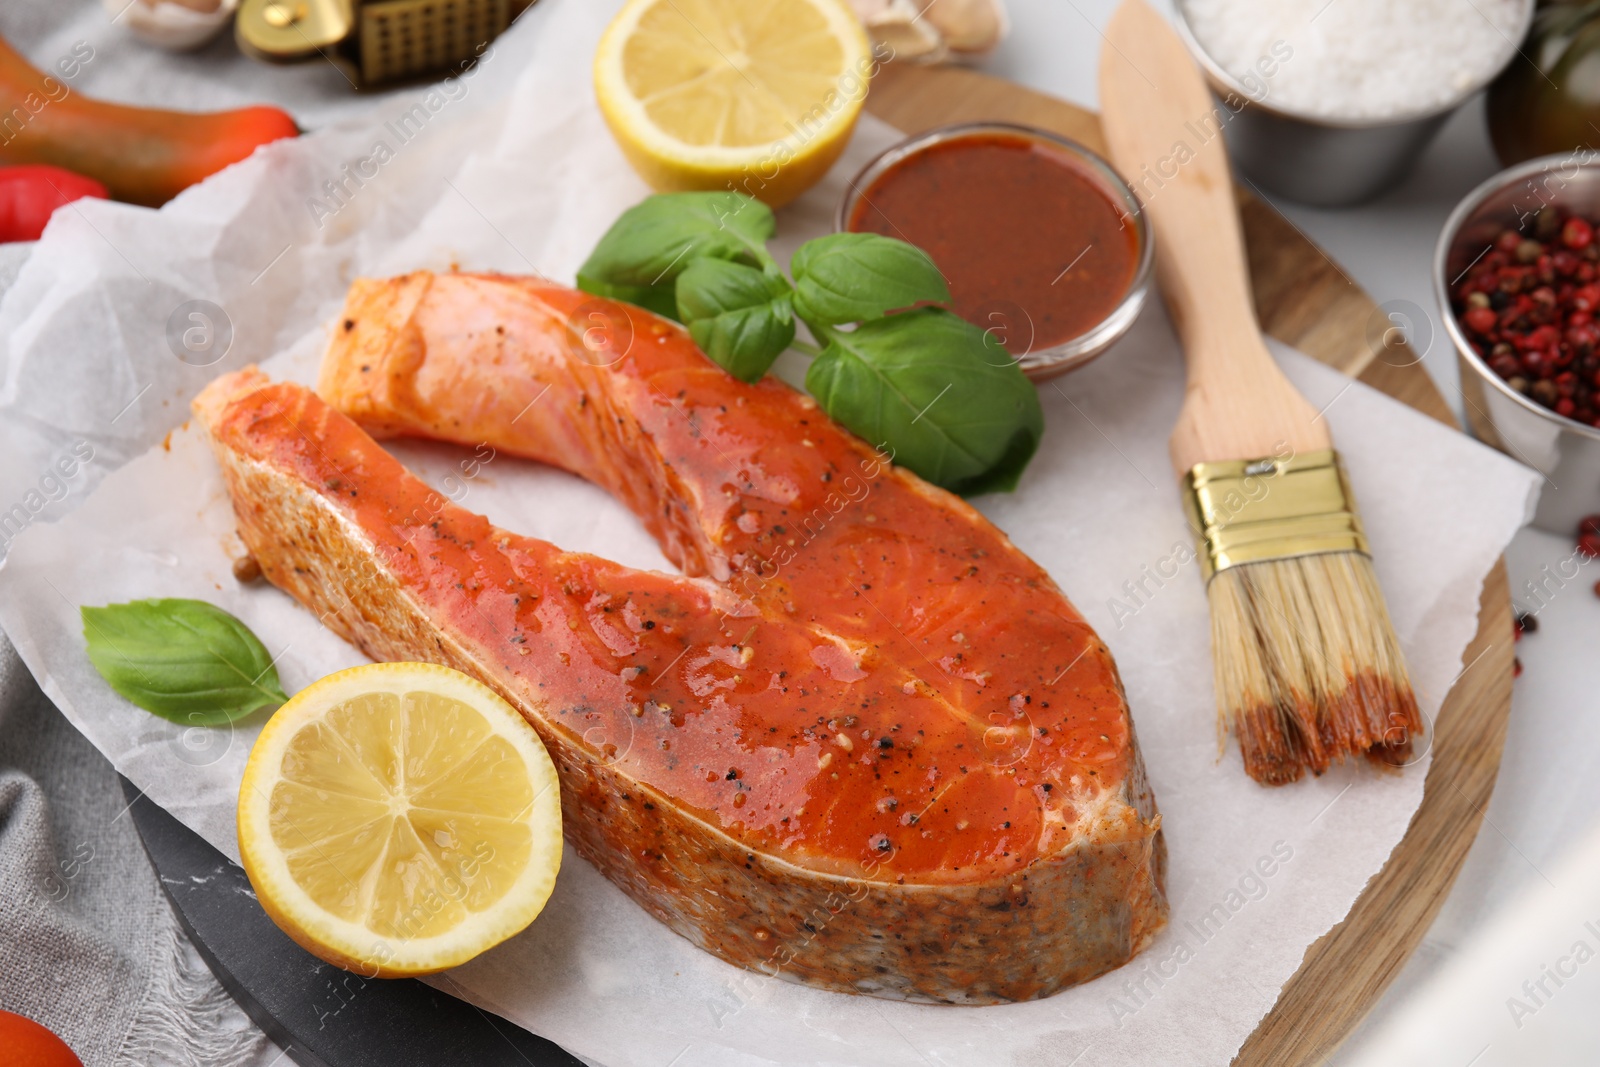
column 1164, row 132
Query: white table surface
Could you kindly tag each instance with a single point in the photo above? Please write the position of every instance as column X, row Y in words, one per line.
column 1547, row 796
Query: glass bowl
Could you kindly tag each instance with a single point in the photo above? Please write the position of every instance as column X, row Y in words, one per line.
column 1010, row 323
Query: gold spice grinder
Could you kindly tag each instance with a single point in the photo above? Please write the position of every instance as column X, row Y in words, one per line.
column 375, row 42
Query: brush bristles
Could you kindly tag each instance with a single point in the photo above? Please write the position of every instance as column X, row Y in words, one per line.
column 1307, row 666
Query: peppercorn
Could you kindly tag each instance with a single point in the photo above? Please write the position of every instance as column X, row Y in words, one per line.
column 1577, row 233
column 1528, row 308
column 1480, row 318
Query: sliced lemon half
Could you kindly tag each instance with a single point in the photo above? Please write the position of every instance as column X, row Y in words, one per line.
column 757, row 96
column 399, row 818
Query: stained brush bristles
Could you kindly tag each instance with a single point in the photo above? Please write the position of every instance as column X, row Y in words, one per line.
column 1308, row 669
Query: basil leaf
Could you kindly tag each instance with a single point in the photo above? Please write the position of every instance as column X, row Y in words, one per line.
column 738, row 315
column 853, row 277
column 184, row 660
column 661, row 299
column 652, row 242
column 941, row 393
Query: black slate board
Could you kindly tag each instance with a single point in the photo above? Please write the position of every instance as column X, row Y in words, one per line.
column 318, row 1014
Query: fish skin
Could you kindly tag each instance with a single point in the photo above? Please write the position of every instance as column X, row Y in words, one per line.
column 741, row 806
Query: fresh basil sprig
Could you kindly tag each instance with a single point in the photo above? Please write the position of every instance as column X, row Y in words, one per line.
column 184, row 660
column 853, row 277
column 739, row 316
column 941, row 394
column 640, row 257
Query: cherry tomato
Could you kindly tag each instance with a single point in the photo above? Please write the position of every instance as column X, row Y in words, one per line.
column 27, row 1044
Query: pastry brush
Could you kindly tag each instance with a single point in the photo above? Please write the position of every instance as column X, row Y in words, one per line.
column 1308, row 670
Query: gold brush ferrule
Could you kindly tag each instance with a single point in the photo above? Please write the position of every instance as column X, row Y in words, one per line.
column 1247, row 511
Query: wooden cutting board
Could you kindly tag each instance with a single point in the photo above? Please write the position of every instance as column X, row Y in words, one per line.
column 1305, row 300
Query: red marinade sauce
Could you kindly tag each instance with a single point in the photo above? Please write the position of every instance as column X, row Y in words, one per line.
column 1015, row 224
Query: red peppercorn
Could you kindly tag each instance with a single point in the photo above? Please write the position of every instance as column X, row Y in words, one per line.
column 1589, row 545
column 1530, row 308
column 1480, row 319
column 1544, row 337
column 1589, row 524
column 1577, row 233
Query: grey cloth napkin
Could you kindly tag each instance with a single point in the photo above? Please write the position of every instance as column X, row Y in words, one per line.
column 89, row 945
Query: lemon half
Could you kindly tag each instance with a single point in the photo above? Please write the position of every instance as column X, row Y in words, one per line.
column 399, row 818
column 757, row 96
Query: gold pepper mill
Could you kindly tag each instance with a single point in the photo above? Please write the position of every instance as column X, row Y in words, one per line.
column 374, row 41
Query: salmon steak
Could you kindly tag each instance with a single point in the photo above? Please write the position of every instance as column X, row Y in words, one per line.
column 861, row 742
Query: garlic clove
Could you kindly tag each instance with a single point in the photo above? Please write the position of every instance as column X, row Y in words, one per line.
column 178, row 25
column 968, row 26
column 931, row 31
column 899, row 25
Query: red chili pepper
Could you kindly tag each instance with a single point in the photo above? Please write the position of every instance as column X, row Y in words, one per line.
column 143, row 155
column 30, row 194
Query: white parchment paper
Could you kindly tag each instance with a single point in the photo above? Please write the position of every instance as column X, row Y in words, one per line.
column 512, row 169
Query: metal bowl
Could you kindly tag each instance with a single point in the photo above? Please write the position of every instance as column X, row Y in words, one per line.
column 1012, row 324
column 1319, row 161
column 1565, row 451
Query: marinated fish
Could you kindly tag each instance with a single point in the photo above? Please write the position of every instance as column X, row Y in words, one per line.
column 862, row 742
